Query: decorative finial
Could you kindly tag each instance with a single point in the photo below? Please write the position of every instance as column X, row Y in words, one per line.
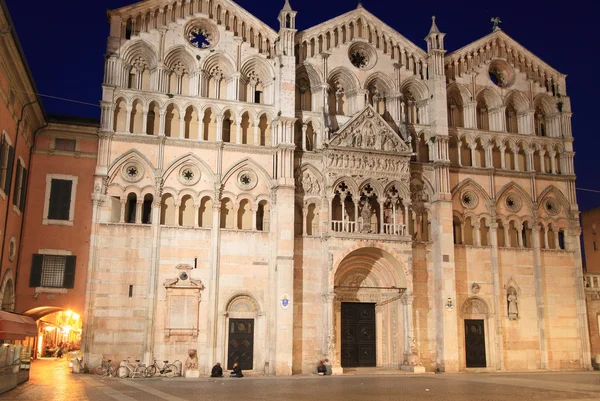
column 496, row 22
column 359, row 4
column 434, row 28
column 286, row 6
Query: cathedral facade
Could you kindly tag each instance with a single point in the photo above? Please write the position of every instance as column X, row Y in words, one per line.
column 280, row 197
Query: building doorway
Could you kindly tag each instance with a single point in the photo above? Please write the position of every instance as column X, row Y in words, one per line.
column 358, row 335
column 475, row 343
column 241, row 343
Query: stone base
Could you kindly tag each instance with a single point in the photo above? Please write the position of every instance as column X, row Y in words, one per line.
column 192, row 374
column 413, row 369
column 337, row 370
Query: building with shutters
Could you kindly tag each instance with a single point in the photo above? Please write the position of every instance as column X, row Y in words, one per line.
column 53, row 274
column 275, row 197
column 21, row 115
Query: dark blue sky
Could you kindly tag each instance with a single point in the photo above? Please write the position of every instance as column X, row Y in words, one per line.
column 64, row 41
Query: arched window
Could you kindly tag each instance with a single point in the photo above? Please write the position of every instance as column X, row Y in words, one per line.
column 147, row 209
column 511, row 119
column 130, row 208
column 482, row 117
column 262, row 216
column 540, row 122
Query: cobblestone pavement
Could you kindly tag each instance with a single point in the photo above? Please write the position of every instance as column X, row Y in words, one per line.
column 51, row 380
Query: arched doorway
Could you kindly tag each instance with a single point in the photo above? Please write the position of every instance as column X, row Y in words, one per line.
column 244, row 333
column 372, row 315
column 477, row 332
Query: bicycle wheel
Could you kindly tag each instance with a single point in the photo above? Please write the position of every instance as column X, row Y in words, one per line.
column 101, row 370
column 150, row 371
column 171, row 371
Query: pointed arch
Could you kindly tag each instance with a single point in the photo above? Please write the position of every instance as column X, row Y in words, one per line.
column 140, row 48
column 519, row 100
column 221, row 60
column 513, row 186
column 459, row 92
column 469, row 182
column 559, row 196
column 248, row 162
column 129, row 155
column 415, row 88
column 382, row 82
column 260, row 66
column 374, row 184
column 187, row 158
column 545, row 103
column 314, row 75
column 490, row 98
column 345, row 77
column 179, row 54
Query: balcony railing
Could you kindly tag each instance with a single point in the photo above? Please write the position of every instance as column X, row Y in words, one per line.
column 373, row 228
column 591, row 282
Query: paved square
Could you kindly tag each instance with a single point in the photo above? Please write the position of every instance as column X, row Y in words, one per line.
column 52, row 381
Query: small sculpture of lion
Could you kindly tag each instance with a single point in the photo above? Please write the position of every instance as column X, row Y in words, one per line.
column 191, row 362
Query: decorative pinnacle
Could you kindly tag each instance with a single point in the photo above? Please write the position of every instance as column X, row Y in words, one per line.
column 434, row 28
column 359, row 4
column 286, row 6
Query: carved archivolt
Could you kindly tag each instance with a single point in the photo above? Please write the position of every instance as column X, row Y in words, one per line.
column 474, row 306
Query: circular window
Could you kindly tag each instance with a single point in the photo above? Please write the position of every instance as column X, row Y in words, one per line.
column 513, row 203
column 552, row 206
column 246, row 179
column 183, row 276
column 202, row 34
column 132, row 172
column 189, row 175
column 469, row 199
column 501, row 73
column 362, row 56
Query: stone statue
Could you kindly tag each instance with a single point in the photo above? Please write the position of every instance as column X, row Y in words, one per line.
column 496, row 22
column 191, row 362
column 366, row 217
column 513, row 308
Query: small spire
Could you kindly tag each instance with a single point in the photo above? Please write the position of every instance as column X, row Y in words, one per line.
column 286, row 6
column 434, row 28
column 359, row 4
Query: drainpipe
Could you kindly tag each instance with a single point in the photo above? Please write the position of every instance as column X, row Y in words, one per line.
column 25, row 203
column 8, row 200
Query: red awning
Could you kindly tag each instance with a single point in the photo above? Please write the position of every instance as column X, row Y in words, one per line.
column 16, row 327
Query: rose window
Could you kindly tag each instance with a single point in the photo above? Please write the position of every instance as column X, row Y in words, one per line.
column 513, row 203
column 246, row 179
column 359, row 59
column 189, row 175
column 469, row 200
column 552, row 207
column 202, row 34
column 132, row 172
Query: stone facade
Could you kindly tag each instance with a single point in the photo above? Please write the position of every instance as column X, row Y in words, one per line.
column 252, row 186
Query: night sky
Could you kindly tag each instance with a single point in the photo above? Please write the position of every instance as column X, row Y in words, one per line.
column 64, row 42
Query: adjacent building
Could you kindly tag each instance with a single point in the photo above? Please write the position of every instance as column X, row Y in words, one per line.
column 274, row 197
column 590, row 222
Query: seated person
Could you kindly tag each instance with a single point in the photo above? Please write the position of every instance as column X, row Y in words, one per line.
column 236, row 371
column 321, row 369
column 328, row 369
column 217, row 371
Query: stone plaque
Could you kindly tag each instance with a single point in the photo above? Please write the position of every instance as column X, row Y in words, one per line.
column 182, row 312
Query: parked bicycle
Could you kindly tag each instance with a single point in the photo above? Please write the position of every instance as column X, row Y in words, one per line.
column 106, row 369
column 168, row 369
column 134, row 370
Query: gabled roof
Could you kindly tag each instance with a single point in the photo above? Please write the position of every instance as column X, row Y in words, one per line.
column 365, row 15
column 141, row 7
column 499, row 36
column 368, row 130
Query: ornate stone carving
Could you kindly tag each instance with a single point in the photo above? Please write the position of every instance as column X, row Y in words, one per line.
column 246, row 179
column 132, row 171
column 308, row 183
column 350, row 162
column 368, row 130
column 474, row 306
column 189, row 174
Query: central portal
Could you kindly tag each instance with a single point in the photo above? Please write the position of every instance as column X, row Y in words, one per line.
column 358, row 335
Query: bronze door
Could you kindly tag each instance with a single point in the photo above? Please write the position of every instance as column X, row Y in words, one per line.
column 358, row 335
column 475, row 343
column 241, row 343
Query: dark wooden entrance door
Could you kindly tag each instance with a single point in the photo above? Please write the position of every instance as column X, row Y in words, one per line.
column 358, row 335
column 241, row 343
column 475, row 343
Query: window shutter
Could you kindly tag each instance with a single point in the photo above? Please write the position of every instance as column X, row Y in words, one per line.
column 69, row 277
column 18, row 179
column 35, row 277
column 60, row 200
column 2, row 152
column 23, row 190
column 9, row 169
